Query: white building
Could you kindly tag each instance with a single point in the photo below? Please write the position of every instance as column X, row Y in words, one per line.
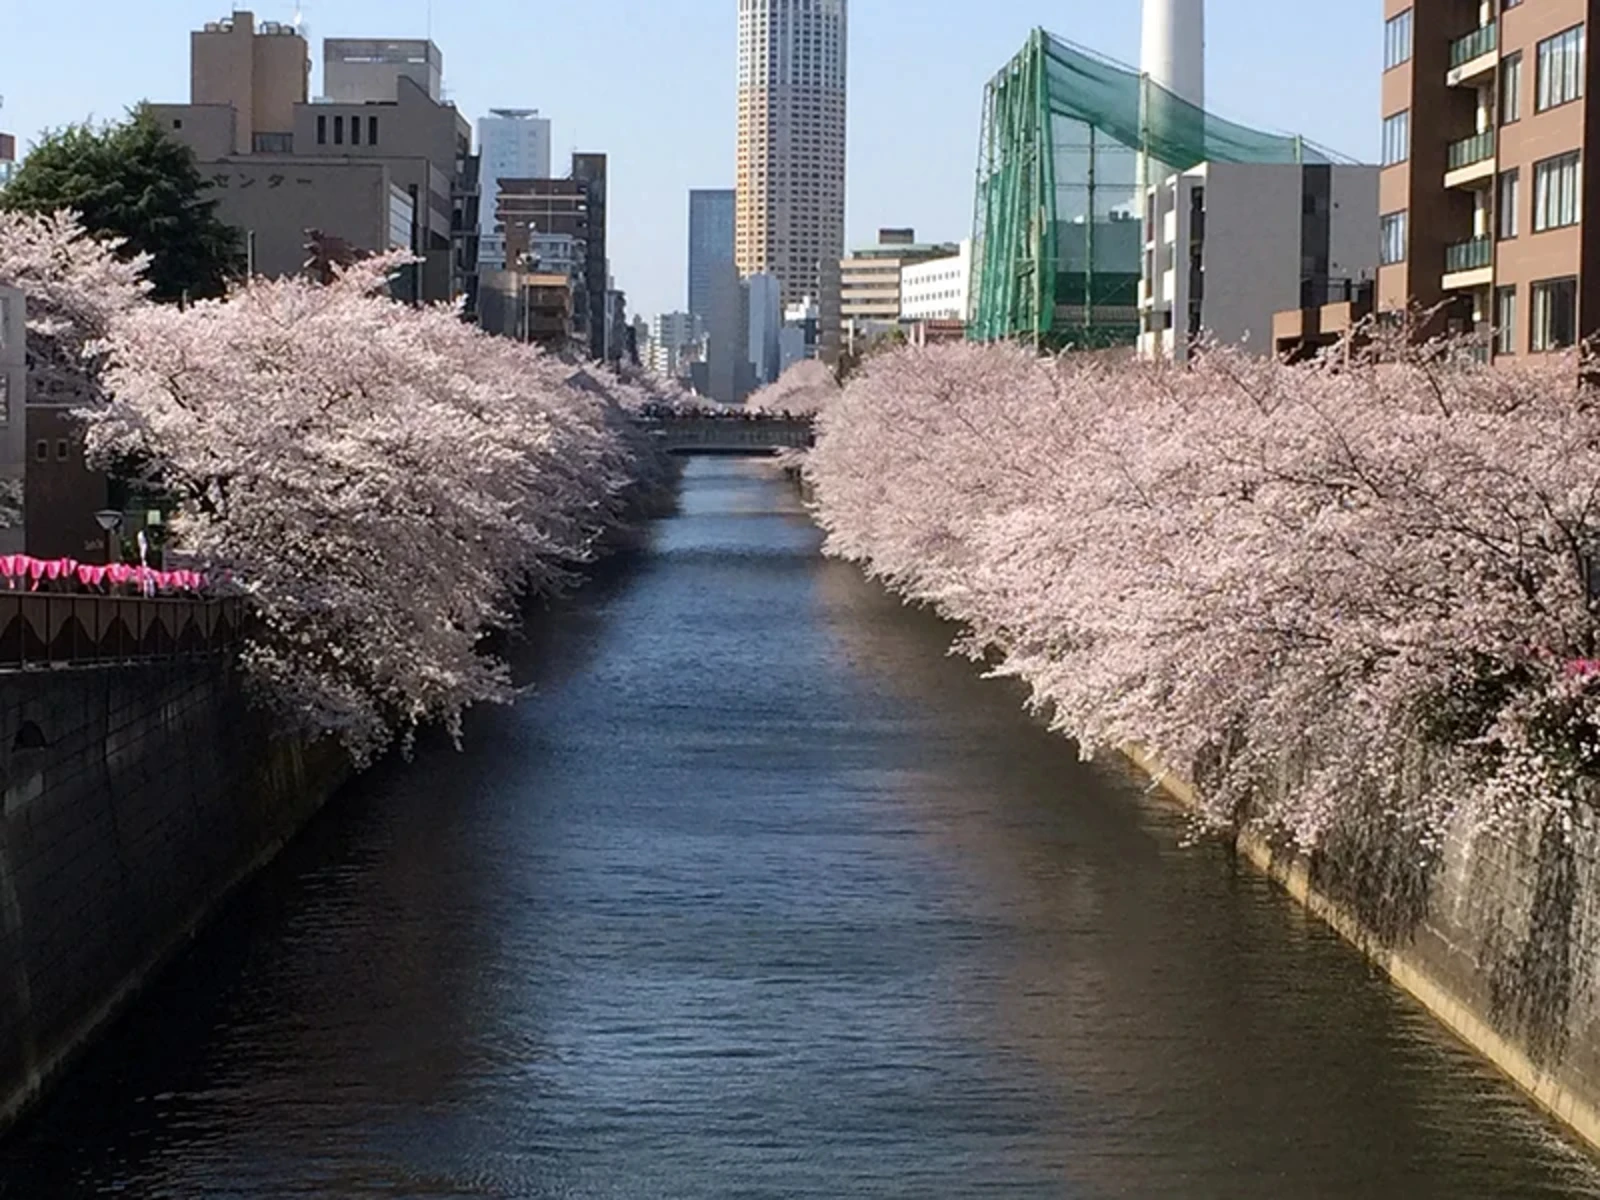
column 939, row 289
column 13, row 418
column 798, row 339
column 673, row 338
column 1234, row 243
column 513, row 143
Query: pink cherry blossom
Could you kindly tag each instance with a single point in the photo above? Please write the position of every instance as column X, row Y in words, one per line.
column 1326, row 588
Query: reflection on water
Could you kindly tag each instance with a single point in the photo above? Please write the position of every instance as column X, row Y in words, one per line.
column 761, row 894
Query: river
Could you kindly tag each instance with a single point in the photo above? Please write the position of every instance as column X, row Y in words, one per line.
column 759, row 894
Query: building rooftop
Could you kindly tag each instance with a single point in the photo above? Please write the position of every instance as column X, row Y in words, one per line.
column 907, row 250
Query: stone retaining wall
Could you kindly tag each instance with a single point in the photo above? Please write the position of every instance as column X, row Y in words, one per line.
column 134, row 799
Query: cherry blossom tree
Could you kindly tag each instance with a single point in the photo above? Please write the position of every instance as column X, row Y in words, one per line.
column 74, row 286
column 1306, row 583
column 383, row 483
column 803, row 390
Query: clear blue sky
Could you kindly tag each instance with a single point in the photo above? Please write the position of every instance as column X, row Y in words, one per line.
column 656, row 91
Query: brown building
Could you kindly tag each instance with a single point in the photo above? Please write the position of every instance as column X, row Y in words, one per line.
column 385, row 165
column 533, row 306
column 529, row 206
column 1486, row 122
column 533, row 211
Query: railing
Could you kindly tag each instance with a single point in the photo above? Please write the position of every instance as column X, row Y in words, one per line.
column 1314, row 293
column 46, row 629
column 1479, row 42
column 1468, row 256
column 1475, row 149
column 732, row 433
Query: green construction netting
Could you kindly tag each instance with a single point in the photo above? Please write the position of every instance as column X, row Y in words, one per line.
column 1057, row 239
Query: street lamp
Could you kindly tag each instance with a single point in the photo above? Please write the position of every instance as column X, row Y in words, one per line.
column 110, row 520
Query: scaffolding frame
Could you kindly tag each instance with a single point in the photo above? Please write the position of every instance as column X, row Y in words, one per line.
column 1059, row 206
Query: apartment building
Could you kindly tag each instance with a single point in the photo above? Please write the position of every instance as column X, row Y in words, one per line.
column 1485, row 133
column 8, row 158
column 869, row 287
column 534, row 306
column 1231, row 246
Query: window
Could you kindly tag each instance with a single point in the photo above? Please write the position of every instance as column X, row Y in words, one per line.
column 1555, row 313
column 338, row 131
column 322, row 130
column 177, row 122
column 1397, row 40
column 1560, row 69
column 1510, row 88
column 61, row 450
column 1397, row 138
column 5, row 399
column 355, row 131
column 372, row 131
column 1556, row 186
column 1505, row 320
column 1506, row 215
column 41, row 450
column 1393, row 248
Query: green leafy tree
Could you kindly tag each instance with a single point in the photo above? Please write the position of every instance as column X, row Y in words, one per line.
column 133, row 181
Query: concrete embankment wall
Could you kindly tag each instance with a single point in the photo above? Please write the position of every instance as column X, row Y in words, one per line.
column 135, row 798
column 1498, row 935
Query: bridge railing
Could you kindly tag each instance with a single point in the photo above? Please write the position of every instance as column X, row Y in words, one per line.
column 769, row 433
column 44, row 629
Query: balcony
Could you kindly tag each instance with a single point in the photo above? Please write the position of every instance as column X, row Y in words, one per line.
column 1471, row 160
column 1474, row 56
column 1469, row 264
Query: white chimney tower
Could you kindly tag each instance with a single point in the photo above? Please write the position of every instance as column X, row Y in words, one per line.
column 1173, row 49
column 1172, row 56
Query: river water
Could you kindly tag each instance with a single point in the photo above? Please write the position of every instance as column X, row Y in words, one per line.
column 761, row 895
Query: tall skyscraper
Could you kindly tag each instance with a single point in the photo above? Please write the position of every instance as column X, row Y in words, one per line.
column 792, row 61
column 711, row 225
column 513, row 143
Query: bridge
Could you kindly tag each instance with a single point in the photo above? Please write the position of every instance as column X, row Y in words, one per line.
column 742, row 434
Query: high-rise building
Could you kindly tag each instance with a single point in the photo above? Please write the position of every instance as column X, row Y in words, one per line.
column 1485, row 128
column 711, row 233
column 791, row 145
column 513, row 143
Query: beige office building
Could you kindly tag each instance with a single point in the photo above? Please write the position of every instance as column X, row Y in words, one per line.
column 789, row 217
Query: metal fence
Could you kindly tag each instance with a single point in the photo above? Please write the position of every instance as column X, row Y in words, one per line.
column 44, row 629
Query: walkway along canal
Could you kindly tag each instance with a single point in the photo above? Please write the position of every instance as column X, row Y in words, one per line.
column 761, row 895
